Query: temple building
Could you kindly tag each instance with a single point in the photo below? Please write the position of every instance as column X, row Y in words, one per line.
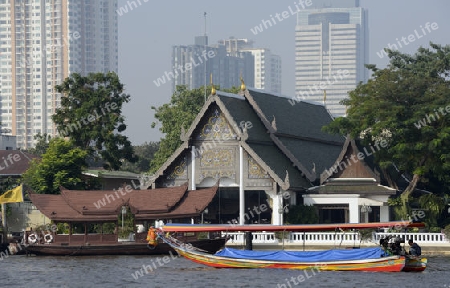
column 267, row 156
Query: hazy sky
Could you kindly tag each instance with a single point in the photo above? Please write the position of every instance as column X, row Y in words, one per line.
column 148, row 32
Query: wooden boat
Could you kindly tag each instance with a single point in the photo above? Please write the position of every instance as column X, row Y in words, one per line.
column 415, row 264
column 364, row 259
column 130, row 248
column 301, row 260
column 412, row 263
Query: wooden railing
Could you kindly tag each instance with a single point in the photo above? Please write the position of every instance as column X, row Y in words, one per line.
column 431, row 238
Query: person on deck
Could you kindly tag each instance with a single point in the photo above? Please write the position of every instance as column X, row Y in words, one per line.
column 414, row 249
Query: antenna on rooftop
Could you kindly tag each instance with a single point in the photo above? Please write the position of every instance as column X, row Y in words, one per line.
column 204, row 15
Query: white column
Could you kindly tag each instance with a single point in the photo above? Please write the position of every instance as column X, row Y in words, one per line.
column 276, row 217
column 241, row 186
column 354, row 210
column 193, row 187
column 292, row 198
column 384, row 213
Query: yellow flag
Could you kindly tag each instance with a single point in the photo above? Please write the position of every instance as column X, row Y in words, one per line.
column 11, row 196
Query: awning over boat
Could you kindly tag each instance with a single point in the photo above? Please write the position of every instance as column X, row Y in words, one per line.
column 305, row 256
column 175, row 227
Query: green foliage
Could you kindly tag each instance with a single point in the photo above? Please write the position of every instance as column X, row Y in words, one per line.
column 447, row 231
column 202, row 235
column 61, row 165
column 62, row 228
column 434, row 206
column 365, row 234
column 145, row 154
column 41, row 144
column 401, row 106
column 108, row 228
column 397, row 205
column 184, row 106
column 91, row 116
column 302, row 214
column 281, row 235
column 128, row 224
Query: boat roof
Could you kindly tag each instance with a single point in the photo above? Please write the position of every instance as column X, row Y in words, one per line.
column 177, row 227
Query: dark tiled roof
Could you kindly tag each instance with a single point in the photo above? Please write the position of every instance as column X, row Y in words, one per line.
column 298, row 128
column 194, row 202
column 353, row 187
column 241, row 111
column 302, row 119
column 260, row 142
column 74, row 205
column 56, row 208
column 301, row 141
column 320, row 155
column 280, row 164
column 160, row 200
column 14, row 162
column 84, row 201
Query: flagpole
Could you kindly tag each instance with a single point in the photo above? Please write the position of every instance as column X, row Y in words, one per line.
column 5, row 235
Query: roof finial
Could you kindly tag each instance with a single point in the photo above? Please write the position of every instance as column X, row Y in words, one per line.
column 242, row 84
column 213, row 89
column 324, row 97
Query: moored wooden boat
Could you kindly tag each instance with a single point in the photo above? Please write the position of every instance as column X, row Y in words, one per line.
column 208, row 245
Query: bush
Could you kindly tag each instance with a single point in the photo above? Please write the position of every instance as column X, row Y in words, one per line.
column 447, row 231
column 302, row 214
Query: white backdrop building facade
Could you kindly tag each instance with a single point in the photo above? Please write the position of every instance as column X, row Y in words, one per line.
column 42, row 43
column 331, row 51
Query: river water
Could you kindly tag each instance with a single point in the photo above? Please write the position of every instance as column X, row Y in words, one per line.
column 173, row 271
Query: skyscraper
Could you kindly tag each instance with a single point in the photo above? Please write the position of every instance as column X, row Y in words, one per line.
column 267, row 66
column 267, row 70
column 42, row 43
column 331, row 49
column 192, row 65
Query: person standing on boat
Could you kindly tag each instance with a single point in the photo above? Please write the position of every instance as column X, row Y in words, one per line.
column 414, row 249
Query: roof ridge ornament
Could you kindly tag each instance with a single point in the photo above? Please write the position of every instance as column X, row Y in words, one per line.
column 213, row 89
column 243, row 87
column 287, row 184
column 274, row 124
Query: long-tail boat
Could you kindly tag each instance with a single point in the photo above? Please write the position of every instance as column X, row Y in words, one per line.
column 362, row 259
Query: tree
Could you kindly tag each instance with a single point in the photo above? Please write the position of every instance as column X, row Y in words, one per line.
column 41, row 144
column 184, row 106
column 145, row 154
column 61, row 165
column 434, row 206
column 404, row 106
column 91, row 116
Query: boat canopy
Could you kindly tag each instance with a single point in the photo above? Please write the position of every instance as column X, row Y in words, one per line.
column 305, row 256
column 177, row 227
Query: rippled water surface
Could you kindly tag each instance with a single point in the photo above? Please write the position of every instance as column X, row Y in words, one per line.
column 118, row 271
